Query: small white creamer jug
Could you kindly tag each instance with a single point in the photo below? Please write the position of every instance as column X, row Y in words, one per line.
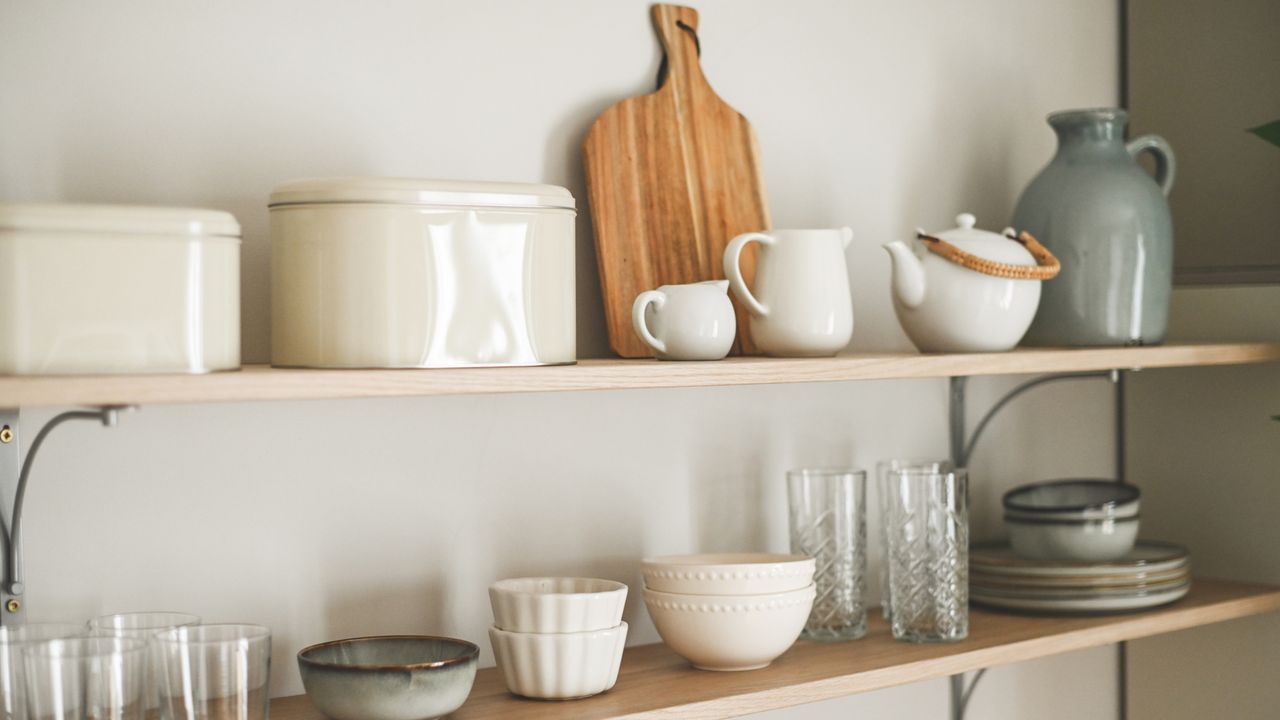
column 686, row 322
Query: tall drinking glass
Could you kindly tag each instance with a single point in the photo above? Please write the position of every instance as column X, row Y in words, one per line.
column 215, row 672
column 144, row 626
column 883, row 494
column 829, row 522
column 86, row 678
column 929, row 554
column 13, row 690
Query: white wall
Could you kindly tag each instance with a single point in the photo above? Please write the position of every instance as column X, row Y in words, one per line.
column 333, row 519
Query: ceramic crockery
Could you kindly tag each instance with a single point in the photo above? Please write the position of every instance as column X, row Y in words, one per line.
column 729, row 632
column 981, row 306
column 1109, row 222
column 1058, row 539
column 686, row 322
column 557, row 604
column 559, row 666
column 1093, row 499
column 728, row 573
column 800, row 304
column 1147, row 556
column 392, row 677
column 1100, row 604
column 1077, row 582
column 1082, row 592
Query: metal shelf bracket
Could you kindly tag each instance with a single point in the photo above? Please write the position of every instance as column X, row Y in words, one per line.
column 14, row 474
column 961, row 691
column 962, row 446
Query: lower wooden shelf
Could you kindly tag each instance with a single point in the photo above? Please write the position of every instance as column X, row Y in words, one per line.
column 656, row 683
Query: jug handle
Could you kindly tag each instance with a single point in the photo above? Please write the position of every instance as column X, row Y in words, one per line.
column 1160, row 150
column 643, row 300
column 733, row 271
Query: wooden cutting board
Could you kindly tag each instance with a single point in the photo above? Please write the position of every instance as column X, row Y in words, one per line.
column 672, row 177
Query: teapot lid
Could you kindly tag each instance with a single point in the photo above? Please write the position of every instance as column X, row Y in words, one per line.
column 985, row 244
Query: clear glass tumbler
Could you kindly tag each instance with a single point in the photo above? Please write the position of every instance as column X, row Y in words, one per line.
column 829, row 522
column 144, row 626
column 214, row 672
column 86, row 678
column 883, row 493
column 13, row 690
column 929, row 554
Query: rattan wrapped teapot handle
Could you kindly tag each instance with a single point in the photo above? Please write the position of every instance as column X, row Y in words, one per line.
column 1046, row 267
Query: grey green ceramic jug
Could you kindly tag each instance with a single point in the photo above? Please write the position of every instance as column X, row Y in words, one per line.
column 1108, row 222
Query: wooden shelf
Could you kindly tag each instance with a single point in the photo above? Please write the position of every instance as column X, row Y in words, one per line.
column 654, row 682
column 258, row 382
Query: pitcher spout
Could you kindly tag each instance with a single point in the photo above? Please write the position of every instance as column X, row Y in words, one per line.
column 908, row 274
column 846, row 237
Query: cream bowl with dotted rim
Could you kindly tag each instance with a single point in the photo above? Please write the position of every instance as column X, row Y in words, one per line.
column 730, row 632
column 727, row 573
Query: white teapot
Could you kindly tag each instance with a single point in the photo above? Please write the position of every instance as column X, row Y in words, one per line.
column 968, row 290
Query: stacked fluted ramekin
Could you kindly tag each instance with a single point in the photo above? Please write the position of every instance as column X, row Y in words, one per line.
column 557, row 637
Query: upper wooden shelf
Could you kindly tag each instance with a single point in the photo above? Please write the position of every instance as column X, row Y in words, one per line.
column 259, row 382
column 654, row 682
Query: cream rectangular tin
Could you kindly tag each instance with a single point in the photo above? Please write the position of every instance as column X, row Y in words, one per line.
column 393, row 272
column 90, row 289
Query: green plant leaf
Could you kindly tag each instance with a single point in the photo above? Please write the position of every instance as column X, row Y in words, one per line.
column 1269, row 132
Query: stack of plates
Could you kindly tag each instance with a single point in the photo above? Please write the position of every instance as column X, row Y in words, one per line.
column 1152, row 574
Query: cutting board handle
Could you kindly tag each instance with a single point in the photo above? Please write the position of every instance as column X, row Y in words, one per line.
column 677, row 28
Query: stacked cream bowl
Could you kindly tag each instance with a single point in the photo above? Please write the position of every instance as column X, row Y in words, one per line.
column 556, row 637
column 729, row 611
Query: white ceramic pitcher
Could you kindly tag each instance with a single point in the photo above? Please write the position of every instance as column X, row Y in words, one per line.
column 800, row 305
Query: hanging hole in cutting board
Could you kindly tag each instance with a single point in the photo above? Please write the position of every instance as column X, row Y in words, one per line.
column 697, row 44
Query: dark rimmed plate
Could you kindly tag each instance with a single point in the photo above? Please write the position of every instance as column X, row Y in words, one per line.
column 1146, row 556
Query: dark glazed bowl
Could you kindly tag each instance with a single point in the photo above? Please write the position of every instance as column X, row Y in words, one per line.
column 390, row 677
column 1083, row 499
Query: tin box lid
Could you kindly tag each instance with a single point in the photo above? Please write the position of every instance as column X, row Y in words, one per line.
column 118, row 220
column 410, row 191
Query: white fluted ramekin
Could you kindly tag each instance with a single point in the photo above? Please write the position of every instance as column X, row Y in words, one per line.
column 727, row 573
column 730, row 632
column 557, row 604
column 559, row 666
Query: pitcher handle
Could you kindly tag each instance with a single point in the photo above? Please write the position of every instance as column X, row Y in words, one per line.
column 1160, row 150
column 643, row 300
column 733, row 271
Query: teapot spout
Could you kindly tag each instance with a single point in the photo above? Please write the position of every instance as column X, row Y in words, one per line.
column 908, row 274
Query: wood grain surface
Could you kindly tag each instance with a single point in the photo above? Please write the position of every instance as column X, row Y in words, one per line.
column 655, row 683
column 672, row 177
column 259, row 382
